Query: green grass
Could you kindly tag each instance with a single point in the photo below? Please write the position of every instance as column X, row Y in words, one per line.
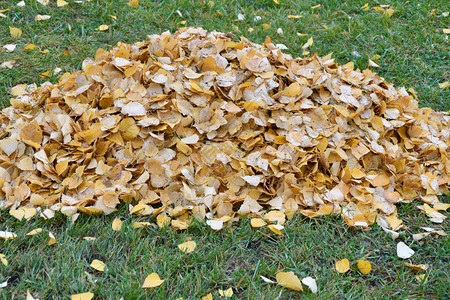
column 414, row 53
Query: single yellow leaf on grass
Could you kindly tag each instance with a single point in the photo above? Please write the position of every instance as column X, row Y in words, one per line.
column 364, row 266
column 15, row 32
column 226, row 293
column 294, row 17
column 365, row 7
column 377, row 8
column 52, row 239
column 103, row 27
column 276, row 1
column 289, row 280
column 141, row 224
column 301, row 34
column 421, row 267
column 422, row 278
column 343, row 265
column 187, row 247
column 41, row 17
column 113, row 17
column 208, row 297
column 133, row 3
column 251, row 29
column 89, row 238
column 29, row 47
column 116, row 224
column 152, row 281
column 257, row 222
column 45, row 74
column 276, row 228
column 266, row 26
column 316, row 6
column 83, row 296
column 389, row 12
column 3, row 259
column 29, row 296
column 443, row 85
column 446, row 30
column 34, row 231
column 98, row 265
column 61, row 3
column 6, row 235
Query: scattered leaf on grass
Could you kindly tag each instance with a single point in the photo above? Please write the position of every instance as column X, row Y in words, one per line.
column 116, row 224
column 152, row 281
column 3, row 259
column 215, row 224
column 364, row 266
column 6, row 235
column 208, row 297
column 41, row 17
column 103, row 27
column 421, row 267
column 403, row 251
column 257, row 222
column 311, row 283
column 15, row 32
column 289, row 280
column 343, row 265
column 133, row 3
column 61, row 3
column 34, row 231
column 52, row 239
column 228, row 293
column 98, row 265
column 83, row 296
column 187, row 247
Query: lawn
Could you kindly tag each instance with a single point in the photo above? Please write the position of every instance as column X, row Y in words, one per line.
column 411, row 50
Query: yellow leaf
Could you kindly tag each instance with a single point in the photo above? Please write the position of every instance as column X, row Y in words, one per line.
column 34, row 231
column 15, row 32
column 301, row 34
column 89, row 238
column 98, row 265
column 446, row 30
column 316, row 6
column 52, row 239
column 422, row 278
column 294, row 17
column 381, row 180
column 103, row 27
column 152, row 281
column 133, row 3
column 276, row 1
column 266, row 26
column 3, row 259
column 389, row 12
column 325, row 26
column 251, row 29
column 421, row 267
column 289, row 280
column 41, row 17
column 257, row 222
column 61, row 3
column 187, row 247
column 377, row 8
column 29, row 47
column 276, row 228
column 113, row 17
column 163, row 221
column 365, row 7
column 83, row 296
column 208, row 297
column 141, row 224
column 45, row 74
column 293, row 90
column 116, row 224
column 228, row 292
column 343, row 265
column 357, row 173
column 376, row 56
column 364, row 266
column 443, row 85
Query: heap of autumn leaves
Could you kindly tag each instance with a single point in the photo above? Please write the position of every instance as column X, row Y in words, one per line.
column 196, row 124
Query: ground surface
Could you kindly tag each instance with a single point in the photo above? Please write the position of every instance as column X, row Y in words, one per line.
column 413, row 52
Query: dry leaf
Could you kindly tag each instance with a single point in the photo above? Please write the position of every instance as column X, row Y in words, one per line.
column 15, row 32
column 343, row 265
column 3, row 259
column 364, row 266
column 257, row 222
column 403, row 251
column 311, row 283
column 289, row 280
column 98, row 265
column 228, row 293
column 61, row 3
column 152, row 281
column 133, row 3
column 187, row 247
column 83, row 296
column 116, row 224
column 421, row 267
column 103, row 27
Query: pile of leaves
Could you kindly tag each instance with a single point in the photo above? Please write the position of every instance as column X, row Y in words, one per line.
column 196, row 124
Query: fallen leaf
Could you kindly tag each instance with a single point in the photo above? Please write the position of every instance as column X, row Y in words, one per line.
column 228, row 293
column 152, row 281
column 446, row 30
column 29, row 47
column 103, row 27
column 83, row 296
column 403, row 251
column 10, row 47
column 6, row 235
column 215, row 224
column 443, row 85
column 187, row 247
column 15, row 32
column 61, row 3
column 289, row 280
column 364, row 266
column 98, row 265
column 311, row 283
column 117, row 224
column 52, row 239
column 421, row 267
column 343, row 265
column 3, row 259
column 133, row 3
column 208, row 297
column 34, row 231
column 257, row 222
column 41, row 17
